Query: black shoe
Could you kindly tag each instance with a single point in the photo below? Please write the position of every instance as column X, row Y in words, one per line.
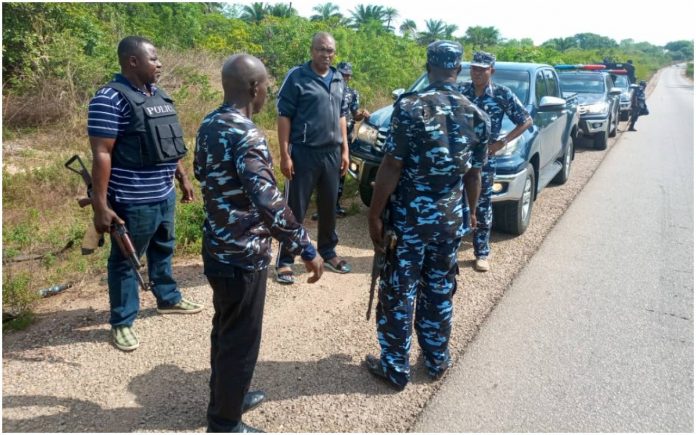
column 252, row 399
column 244, row 428
column 632, row 129
column 315, row 216
column 375, row 368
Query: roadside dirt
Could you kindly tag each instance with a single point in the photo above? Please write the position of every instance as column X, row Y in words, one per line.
column 63, row 374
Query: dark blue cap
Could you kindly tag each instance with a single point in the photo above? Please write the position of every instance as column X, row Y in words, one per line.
column 445, row 54
column 483, row 59
column 345, row 68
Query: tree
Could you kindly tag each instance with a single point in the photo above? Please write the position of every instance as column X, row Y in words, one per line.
column 561, row 44
column 592, row 41
column 434, row 30
column 254, row 13
column 685, row 47
column 389, row 15
column 408, row 29
column 449, row 30
column 363, row 15
column 326, row 12
column 282, row 10
column 481, row 37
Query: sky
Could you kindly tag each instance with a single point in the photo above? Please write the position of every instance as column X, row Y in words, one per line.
column 658, row 23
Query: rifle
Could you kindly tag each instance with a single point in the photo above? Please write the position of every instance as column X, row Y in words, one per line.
column 118, row 231
column 381, row 262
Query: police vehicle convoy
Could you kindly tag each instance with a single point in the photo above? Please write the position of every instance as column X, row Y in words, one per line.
column 542, row 154
column 598, row 100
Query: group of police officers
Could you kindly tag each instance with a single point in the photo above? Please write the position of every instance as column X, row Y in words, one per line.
column 432, row 188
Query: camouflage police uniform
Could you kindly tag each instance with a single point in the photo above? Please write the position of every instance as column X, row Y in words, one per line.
column 437, row 133
column 638, row 104
column 243, row 209
column 497, row 101
column 351, row 100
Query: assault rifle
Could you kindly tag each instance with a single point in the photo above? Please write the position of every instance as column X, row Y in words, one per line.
column 382, row 264
column 118, row 231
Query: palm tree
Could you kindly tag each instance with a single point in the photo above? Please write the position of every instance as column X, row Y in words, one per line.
column 325, row 12
column 449, row 30
column 282, row 10
column 434, row 30
column 481, row 37
column 389, row 15
column 255, row 12
column 408, row 29
column 363, row 15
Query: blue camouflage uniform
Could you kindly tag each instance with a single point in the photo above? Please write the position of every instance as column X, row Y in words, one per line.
column 497, row 101
column 437, row 133
column 638, row 105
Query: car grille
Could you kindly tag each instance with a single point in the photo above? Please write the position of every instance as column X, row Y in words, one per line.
column 381, row 139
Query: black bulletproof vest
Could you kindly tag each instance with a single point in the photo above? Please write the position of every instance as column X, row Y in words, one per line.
column 153, row 135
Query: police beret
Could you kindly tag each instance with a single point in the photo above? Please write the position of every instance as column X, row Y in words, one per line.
column 483, row 59
column 345, row 68
column 445, row 54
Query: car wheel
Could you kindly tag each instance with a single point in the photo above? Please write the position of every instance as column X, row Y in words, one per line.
column 601, row 139
column 614, row 126
column 564, row 173
column 514, row 217
column 365, row 194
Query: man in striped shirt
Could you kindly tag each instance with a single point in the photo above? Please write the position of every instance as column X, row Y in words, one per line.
column 136, row 145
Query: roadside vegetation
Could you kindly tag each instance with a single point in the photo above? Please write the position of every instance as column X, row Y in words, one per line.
column 56, row 55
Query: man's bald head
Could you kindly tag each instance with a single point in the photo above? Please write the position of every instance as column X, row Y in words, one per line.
column 243, row 77
column 320, row 37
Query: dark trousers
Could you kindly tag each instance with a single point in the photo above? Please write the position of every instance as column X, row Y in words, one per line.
column 320, row 169
column 151, row 228
column 234, row 343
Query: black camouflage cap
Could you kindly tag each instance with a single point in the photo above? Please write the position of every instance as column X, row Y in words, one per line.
column 483, row 59
column 445, row 54
column 345, row 68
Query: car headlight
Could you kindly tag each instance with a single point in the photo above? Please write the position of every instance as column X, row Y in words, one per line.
column 600, row 108
column 367, row 133
column 510, row 148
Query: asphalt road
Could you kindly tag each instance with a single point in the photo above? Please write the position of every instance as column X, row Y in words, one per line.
column 596, row 333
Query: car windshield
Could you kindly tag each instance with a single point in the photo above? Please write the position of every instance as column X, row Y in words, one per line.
column 620, row 81
column 517, row 81
column 582, row 84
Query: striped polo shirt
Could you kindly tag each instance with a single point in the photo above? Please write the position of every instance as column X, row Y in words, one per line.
column 108, row 116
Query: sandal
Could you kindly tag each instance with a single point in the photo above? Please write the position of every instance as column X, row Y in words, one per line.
column 341, row 267
column 285, row 277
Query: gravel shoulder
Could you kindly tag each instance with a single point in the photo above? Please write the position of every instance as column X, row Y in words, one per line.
column 63, row 374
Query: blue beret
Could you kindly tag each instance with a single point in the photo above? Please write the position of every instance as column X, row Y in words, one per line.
column 345, row 68
column 445, row 54
column 483, row 59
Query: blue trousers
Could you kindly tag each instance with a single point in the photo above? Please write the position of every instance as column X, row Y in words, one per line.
column 424, row 279
column 151, row 227
column 484, row 212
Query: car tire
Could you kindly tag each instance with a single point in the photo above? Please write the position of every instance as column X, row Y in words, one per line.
column 614, row 125
column 365, row 194
column 564, row 173
column 513, row 217
column 601, row 139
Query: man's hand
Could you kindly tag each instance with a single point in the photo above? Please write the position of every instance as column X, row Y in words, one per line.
column 361, row 114
column 186, row 188
column 345, row 159
column 376, row 233
column 103, row 218
column 472, row 220
column 316, row 267
column 495, row 147
column 287, row 167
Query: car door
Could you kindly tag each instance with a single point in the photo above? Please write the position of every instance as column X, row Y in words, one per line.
column 557, row 120
column 542, row 119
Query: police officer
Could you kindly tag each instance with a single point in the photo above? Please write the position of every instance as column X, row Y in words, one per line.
column 137, row 144
column 436, row 136
column 630, row 71
column 243, row 209
column 638, row 105
column 497, row 101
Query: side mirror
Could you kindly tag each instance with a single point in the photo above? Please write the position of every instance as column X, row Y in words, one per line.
column 396, row 93
column 615, row 91
column 549, row 104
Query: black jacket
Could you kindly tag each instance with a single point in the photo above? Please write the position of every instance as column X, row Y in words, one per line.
column 314, row 109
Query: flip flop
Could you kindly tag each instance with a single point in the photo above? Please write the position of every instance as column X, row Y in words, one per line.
column 341, row 267
column 285, row 277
